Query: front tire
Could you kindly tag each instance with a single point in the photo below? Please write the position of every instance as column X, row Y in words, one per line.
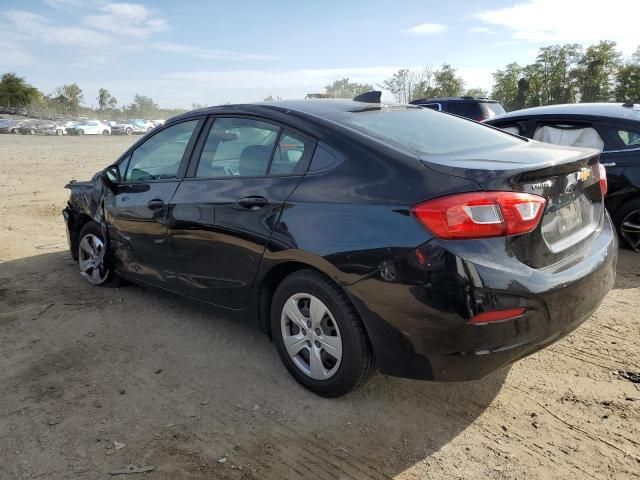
column 319, row 335
column 59, row 133
column 128, row 131
column 627, row 221
column 93, row 255
column 80, row 132
column 105, row 132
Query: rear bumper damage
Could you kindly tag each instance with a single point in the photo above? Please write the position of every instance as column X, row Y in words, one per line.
column 417, row 310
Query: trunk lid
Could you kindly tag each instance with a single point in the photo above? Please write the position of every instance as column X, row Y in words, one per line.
column 567, row 177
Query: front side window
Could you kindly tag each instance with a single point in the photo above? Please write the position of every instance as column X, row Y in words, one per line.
column 160, row 156
column 629, row 138
column 237, row 147
column 570, row 134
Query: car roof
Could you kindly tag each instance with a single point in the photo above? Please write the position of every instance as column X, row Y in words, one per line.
column 315, row 107
column 455, row 99
column 609, row 110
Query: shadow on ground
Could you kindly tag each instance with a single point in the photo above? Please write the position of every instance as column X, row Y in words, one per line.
column 184, row 388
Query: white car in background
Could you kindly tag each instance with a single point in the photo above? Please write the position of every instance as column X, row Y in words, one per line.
column 90, row 127
column 141, row 126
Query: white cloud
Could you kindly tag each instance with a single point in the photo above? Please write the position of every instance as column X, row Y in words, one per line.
column 30, row 26
column 208, row 54
column 128, row 19
column 580, row 21
column 480, row 30
column 428, row 29
column 71, row 4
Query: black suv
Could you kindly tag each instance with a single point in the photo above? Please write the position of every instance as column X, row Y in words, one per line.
column 612, row 128
column 475, row 108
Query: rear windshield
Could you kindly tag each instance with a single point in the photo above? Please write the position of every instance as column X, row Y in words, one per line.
column 492, row 109
column 423, row 131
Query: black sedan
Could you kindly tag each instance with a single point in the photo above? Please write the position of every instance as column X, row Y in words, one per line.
column 614, row 129
column 358, row 236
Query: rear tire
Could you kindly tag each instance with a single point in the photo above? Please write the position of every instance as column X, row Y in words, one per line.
column 332, row 355
column 59, row 133
column 79, row 132
column 128, row 131
column 105, row 132
column 627, row 221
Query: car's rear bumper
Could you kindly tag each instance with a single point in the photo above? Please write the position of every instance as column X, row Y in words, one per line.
column 417, row 310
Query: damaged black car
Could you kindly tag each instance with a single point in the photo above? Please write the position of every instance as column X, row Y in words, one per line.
column 359, row 236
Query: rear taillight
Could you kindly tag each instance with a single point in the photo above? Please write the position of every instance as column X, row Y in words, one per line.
column 481, row 214
column 602, row 174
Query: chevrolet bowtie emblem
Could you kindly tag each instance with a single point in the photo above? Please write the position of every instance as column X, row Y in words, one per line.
column 584, row 174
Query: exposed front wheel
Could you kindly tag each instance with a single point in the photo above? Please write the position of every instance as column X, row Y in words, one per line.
column 93, row 255
column 319, row 335
column 628, row 223
column 128, row 131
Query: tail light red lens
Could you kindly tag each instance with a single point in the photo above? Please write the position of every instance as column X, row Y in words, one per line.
column 497, row 316
column 604, row 186
column 481, row 214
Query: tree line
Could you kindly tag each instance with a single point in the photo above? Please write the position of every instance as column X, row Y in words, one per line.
column 67, row 100
column 561, row 74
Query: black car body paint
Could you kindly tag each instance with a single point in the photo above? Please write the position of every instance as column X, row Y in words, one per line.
column 350, row 218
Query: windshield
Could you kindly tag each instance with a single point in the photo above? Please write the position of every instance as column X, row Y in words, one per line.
column 491, row 109
column 423, row 131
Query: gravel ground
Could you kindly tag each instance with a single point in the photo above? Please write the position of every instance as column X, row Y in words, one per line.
column 95, row 379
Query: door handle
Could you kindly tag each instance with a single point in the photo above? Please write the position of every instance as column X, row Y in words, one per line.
column 155, row 204
column 610, row 164
column 253, row 203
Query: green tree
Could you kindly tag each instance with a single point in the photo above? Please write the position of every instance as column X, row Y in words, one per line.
column 106, row 101
column 143, row 106
column 446, row 81
column 505, row 86
column 402, row 85
column 16, row 92
column 476, row 92
column 69, row 98
column 627, row 82
column 343, row 88
column 596, row 72
column 557, row 64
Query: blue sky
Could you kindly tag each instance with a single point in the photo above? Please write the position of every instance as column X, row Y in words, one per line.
column 210, row 52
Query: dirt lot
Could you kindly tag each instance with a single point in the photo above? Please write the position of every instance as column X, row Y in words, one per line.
column 82, row 367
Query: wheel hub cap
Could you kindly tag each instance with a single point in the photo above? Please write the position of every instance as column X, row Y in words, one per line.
column 630, row 229
column 311, row 336
column 91, row 259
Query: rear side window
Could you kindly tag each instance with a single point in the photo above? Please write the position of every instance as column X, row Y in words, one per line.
column 629, row 138
column 422, row 131
column 465, row 109
column 575, row 135
column 514, row 129
column 237, row 147
column 289, row 154
column 432, row 106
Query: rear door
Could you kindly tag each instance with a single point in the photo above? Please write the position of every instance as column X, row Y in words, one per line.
column 621, row 157
column 136, row 209
column 223, row 213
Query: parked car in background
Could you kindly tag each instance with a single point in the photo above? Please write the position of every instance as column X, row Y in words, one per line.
column 91, row 127
column 475, row 108
column 122, row 127
column 49, row 128
column 448, row 249
column 612, row 128
column 141, row 126
column 8, row 125
column 28, row 127
column 157, row 123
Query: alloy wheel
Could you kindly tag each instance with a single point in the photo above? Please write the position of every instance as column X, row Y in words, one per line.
column 630, row 229
column 91, row 259
column 311, row 336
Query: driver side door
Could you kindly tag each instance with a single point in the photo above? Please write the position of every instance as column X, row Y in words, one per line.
column 136, row 208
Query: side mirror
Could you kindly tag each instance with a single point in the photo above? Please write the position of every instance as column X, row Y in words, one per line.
column 110, row 176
